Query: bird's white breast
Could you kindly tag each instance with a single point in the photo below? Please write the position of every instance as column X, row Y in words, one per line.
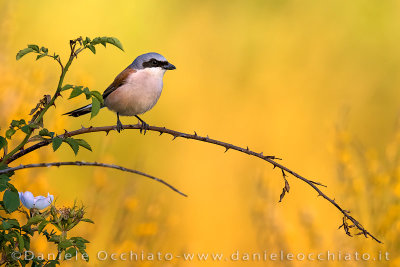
column 138, row 94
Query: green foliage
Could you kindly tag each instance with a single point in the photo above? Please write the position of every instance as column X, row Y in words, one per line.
column 96, row 96
column 95, row 107
column 45, row 132
column 56, row 142
column 104, row 41
column 11, row 200
column 20, row 125
column 83, row 144
column 72, row 142
column 32, row 48
column 16, row 235
column 23, row 52
column 3, row 142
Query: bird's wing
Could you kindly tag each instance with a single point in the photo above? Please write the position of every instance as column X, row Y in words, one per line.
column 118, row 81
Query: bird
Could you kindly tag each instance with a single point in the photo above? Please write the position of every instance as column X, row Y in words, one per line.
column 135, row 90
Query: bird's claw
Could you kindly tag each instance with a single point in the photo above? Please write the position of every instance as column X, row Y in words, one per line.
column 119, row 126
column 144, row 127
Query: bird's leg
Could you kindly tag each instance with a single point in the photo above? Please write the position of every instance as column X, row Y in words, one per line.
column 144, row 127
column 119, row 124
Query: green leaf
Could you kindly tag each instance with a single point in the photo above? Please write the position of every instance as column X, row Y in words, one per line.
column 45, row 132
column 114, row 41
column 73, row 144
column 5, row 225
column 54, row 238
column 56, row 142
column 75, row 92
column 23, row 52
column 40, row 56
column 10, row 132
column 92, row 48
column 34, row 47
column 44, row 49
column 26, row 129
column 86, row 41
column 10, row 223
column 20, row 242
column 87, row 92
column 35, row 220
column 78, row 239
column 34, row 125
column 4, row 179
column 3, row 187
column 3, row 142
column 83, row 143
column 42, row 225
column 64, row 244
column 12, row 188
column 98, row 40
column 11, row 200
column 16, row 123
column 95, row 107
column 27, row 241
column 87, row 220
column 98, row 96
column 67, row 87
column 71, row 252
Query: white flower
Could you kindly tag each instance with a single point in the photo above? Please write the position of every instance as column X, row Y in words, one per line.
column 39, row 202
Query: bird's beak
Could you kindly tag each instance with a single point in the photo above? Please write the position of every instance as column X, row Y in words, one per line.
column 169, row 67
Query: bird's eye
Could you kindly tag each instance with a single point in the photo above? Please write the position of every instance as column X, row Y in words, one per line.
column 154, row 62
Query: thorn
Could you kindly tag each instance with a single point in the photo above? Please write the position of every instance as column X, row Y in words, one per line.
column 247, row 148
column 226, row 149
column 161, row 133
column 175, row 136
column 107, row 132
column 195, row 134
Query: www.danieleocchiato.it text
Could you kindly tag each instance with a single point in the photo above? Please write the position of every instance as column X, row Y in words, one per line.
column 265, row 256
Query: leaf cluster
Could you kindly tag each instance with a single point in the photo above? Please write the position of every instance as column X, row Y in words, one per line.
column 15, row 235
column 97, row 98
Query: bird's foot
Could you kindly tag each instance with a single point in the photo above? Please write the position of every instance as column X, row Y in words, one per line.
column 144, row 127
column 119, row 126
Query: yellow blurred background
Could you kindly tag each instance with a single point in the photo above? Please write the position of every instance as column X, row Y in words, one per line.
column 313, row 82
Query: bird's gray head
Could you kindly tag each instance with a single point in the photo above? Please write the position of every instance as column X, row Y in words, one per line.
column 151, row 60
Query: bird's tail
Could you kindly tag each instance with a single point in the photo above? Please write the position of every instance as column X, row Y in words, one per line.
column 80, row 111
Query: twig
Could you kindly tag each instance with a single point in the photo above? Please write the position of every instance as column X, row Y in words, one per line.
column 83, row 163
column 50, row 103
column 206, row 139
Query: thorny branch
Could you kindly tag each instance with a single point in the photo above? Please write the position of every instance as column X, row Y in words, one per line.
column 83, row 163
column 270, row 159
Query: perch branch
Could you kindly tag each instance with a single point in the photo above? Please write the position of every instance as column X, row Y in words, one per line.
column 83, row 163
column 227, row 146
